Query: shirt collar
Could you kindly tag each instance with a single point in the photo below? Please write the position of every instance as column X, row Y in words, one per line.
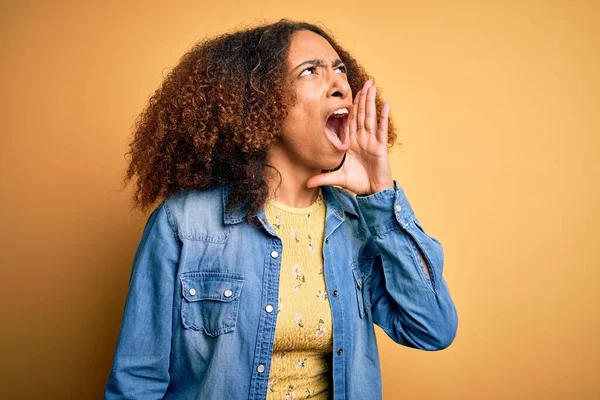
column 337, row 200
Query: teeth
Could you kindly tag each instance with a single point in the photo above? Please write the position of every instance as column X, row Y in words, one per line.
column 341, row 111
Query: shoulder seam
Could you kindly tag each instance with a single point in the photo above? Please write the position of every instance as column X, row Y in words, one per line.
column 170, row 219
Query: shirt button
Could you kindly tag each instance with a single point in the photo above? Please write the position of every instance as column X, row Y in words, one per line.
column 327, row 240
column 398, row 207
column 335, row 293
column 193, row 291
column 269, row 308
column 228, row 293
column 261, row 368
column 340, row 351
column 274, row 254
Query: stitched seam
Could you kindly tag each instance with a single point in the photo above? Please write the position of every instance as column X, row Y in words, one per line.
column 171, row 219
column 224, row 327
column 381, row 230
column 206, row 238
column 359, row 297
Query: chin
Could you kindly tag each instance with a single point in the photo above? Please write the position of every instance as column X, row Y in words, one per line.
column 337, row 166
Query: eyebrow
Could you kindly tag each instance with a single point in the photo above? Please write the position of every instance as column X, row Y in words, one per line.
column 318, row 62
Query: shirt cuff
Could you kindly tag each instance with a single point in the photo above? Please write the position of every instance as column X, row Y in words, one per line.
column 384, row 210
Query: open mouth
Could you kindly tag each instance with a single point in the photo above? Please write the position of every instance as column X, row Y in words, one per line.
column 336, row 129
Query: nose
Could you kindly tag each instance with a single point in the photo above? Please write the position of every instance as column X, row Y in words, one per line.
column 339, row 87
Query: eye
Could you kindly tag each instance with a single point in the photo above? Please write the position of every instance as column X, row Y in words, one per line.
column 343, row 68
column 308, row 69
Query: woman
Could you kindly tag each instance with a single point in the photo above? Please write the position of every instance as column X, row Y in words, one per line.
column 280, row 237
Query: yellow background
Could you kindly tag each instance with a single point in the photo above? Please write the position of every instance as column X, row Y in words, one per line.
column 497, row 107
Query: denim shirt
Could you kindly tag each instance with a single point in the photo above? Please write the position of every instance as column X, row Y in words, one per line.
column 199, row 319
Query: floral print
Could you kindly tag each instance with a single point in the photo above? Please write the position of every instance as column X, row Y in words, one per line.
column 311, row 246
column 297, row 271
column 303, row 343
column 294, row 235
column 290, row 394
column 321, row 329
column 298, row 320
column 322, row 294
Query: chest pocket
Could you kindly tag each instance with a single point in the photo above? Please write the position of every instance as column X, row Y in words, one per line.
column 210, row 301
column 361, row 270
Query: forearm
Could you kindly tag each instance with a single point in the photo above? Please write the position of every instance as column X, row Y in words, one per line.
column 410, row 298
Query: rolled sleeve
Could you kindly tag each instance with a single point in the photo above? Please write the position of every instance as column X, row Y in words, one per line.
column 413, row 308
column 379, row 208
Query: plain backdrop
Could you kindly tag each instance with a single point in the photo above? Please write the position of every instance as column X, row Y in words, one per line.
column 497, row 108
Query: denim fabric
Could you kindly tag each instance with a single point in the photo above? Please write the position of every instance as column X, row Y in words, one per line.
column 195, row 322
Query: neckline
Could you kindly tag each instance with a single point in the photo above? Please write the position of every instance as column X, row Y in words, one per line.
column 298, row 210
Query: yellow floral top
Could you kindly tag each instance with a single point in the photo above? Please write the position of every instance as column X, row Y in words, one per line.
column 303, row 345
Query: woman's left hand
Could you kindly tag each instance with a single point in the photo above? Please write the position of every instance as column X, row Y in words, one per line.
column 366, row 169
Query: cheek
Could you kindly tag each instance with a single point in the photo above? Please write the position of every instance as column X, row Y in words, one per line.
column 311, row 112
column 302, row 114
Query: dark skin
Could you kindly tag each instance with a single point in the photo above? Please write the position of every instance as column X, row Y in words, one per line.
column 305, row 150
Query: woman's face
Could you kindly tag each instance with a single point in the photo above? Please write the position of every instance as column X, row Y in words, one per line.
column 311, row 138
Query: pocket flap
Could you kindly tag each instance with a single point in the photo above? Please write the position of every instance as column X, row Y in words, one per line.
column 224, row 287
column 358, row 277
column 362, row 269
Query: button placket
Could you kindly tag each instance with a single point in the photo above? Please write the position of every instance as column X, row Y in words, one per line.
column 266, row 321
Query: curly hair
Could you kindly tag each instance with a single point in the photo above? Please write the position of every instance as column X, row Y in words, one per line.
column 216, row 114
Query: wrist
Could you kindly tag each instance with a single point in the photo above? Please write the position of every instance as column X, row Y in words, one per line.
column 378, row 187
